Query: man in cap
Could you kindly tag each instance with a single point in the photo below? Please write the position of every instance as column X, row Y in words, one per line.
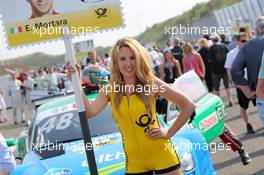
column 217, row 56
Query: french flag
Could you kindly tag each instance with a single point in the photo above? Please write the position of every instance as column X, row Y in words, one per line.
column 15, row 30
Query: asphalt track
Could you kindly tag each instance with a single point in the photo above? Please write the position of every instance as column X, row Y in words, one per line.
column 225, row 162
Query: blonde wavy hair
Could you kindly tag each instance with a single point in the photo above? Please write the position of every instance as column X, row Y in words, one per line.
column 204, row 43
column 144, row 74
column 188, row 49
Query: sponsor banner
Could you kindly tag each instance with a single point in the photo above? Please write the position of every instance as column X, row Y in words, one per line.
column 208, row 122
column 33, row 21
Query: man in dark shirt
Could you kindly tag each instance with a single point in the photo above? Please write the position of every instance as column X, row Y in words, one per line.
column 249, row 57
column 177, row 52
column 91, row 57
column 217, row 57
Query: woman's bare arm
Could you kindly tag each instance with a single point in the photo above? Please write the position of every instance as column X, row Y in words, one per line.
column 184, row 67
column 161, row 70
column 178, row 66
column 177, row 98
column 201, row 64
column 260, row 89
column 98, row 105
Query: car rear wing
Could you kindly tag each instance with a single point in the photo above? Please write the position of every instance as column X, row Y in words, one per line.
column 39, row 101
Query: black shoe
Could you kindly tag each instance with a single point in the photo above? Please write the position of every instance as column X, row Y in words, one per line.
column 250, row 129
column 245, row 158
column 230, row 104
column 15, row 123
column 24, row 121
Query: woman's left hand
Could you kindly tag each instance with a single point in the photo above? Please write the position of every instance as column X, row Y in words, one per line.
column 158, row 133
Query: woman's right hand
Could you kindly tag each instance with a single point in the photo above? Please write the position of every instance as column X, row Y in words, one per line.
column 71, row 70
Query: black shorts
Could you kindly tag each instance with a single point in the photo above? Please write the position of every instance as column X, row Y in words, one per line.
column 243, row 101
column 167, row 170
column 161, row 106
column 217, row 79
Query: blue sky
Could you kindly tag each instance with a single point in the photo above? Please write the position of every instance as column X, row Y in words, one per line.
column 138, row 15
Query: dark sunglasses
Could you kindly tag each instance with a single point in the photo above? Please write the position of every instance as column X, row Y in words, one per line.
column 243, row 41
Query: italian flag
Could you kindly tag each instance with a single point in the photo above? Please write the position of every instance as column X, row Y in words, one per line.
column 15, row 30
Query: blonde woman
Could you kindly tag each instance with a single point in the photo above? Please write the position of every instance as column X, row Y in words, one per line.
column 203, row 51
column 170, row 69
column 193, row 60
column 145, row 149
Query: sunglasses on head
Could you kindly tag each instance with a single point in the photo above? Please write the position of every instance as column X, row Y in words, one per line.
column 215, row 40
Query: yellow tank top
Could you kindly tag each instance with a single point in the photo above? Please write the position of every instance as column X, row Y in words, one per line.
column 133, row 122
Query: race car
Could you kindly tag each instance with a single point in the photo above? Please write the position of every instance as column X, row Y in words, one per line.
column 53, row 143
column 45, row 91
column 210, row 109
